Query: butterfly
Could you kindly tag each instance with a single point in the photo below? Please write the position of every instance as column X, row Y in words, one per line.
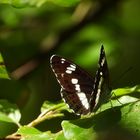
column 83, row 93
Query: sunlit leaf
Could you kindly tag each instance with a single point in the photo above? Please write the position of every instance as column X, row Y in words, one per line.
column 125, row 117
column 127, row 90
column 30, row 133
column 60, row 136
column 118, row 102
column 3, row 71
column 9, row 118
column 72, row 131
column 49, row 106
column 23, row 3
column 10, row 112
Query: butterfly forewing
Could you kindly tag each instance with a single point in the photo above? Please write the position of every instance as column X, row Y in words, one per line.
column 69, row 75
column 76, row 84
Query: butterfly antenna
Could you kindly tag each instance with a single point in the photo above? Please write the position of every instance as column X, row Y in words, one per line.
column 121, row 76
column 111, row 103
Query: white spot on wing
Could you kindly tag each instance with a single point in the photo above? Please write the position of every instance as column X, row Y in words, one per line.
column 77, row 87
column 70, row 68
column 103, row 61
column 98, row 91
column 101, row 73
column 82, row 97
column 73, row 66
column 68, row 71
column 62, row 59
column 97, row 96
column 74, row 81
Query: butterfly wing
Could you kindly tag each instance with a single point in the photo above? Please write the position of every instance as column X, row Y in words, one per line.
column 76, row 84
column 78, row 102
column 101, row 91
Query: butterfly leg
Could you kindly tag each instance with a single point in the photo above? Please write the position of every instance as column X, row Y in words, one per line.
column 116, row 98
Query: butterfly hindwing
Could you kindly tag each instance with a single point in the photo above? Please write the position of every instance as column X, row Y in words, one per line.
column 78, row 102
column 101, row 91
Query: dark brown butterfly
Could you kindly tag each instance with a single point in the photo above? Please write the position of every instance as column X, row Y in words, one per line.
column 83, row 93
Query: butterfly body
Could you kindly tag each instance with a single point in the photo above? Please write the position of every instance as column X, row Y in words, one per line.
column 81, row 91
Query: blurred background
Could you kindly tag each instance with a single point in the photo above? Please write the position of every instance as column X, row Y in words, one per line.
column 31, row 32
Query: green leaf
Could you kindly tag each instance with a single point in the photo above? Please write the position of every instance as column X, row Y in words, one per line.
column 124, row 91
column 121, row 117
column 25, row 131
column 48, row 106
column 42, row 136
column 30, row 133
column 65, row 2
column 131, row 118
column 49, row 110
column 6, row 127
column 23, row 3
column 3, row 71
column 9, row 112
column 15, row 3
column 75, row 132
column 5, row 118
column 60, row 136
column 118, row 102
column 9, row 118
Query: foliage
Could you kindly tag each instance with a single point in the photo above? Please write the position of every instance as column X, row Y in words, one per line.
column 23, row 3
column 3, row 71
column 31, row 31
column 124, row 114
